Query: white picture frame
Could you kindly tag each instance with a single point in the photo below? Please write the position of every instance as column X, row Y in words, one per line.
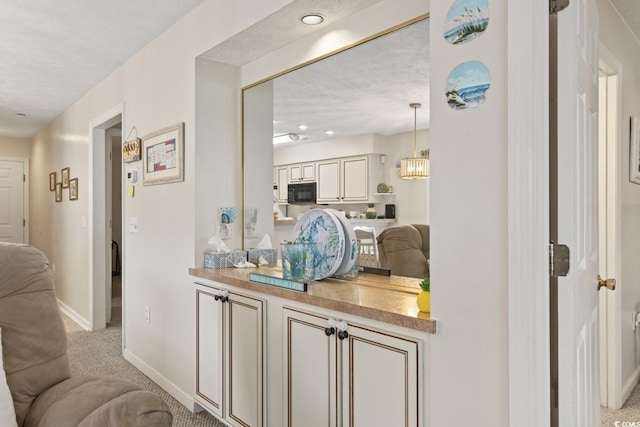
column 634, row 151
column 163, row 156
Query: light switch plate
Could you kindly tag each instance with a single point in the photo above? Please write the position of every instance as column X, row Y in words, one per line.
column 134, row 227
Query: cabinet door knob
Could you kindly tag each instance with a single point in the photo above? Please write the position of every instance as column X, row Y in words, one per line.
column 329, row 331
column 343, row 334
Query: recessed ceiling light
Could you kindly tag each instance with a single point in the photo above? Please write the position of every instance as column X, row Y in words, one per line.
column 302, row 127
column 329, row 132
column 312, row 19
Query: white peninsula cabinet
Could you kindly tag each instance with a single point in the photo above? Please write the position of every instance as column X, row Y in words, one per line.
column 344, row 374
column 229, row 355
column 341, row 354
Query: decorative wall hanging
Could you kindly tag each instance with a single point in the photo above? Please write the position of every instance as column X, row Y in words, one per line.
column 53, row 178
column 163, row 156
column 73, row 189
column 467, row 85
column 466, row 20
column 58, row 192
column 634, row 153
column 131, row 151
column 65, row 178
column 227, row 218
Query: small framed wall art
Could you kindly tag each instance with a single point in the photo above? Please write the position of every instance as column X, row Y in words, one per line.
column 73, row 189
column 53, row 178
column 634, row 153
column 65, row 178
column 163, row 156
column 58, row 191
column 131, row 151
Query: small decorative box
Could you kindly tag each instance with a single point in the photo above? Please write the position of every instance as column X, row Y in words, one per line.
column 223, row 259
column 271, row 255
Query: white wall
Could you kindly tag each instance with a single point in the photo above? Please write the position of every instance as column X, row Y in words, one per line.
column 15, row 147
column 616, row 37
column 157, row 87
column 469, row 298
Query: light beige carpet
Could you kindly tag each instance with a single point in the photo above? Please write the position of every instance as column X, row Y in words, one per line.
column 627, row 415
column 99, row 353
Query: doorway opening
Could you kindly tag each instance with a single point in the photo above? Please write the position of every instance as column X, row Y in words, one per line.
column 612, row 394
column 101, row 133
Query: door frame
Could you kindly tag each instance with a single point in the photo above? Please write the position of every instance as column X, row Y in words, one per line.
column 528, row 212
column 611, row 302
column 25, row 194
column 99, row 257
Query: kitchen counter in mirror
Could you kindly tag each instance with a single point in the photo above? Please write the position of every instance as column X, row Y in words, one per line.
column 378, row 222
column 388, row 299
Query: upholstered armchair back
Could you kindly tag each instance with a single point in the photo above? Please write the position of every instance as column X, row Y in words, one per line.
column 34, row 340
column 405, row 250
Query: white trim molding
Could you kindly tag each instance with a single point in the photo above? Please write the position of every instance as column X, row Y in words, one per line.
column 528, row 213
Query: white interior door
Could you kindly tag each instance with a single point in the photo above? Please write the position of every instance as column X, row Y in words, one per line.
column 577, row 65
column 12, row 201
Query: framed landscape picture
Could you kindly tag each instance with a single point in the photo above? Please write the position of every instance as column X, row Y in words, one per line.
column 163, row 156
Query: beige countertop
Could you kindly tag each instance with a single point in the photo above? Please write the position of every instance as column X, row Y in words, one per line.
column 389, row 299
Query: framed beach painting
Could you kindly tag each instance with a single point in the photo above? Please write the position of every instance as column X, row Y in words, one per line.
column 634, row 153
column 163, row 156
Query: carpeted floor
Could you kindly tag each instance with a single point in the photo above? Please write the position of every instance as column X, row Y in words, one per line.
column 630, row 411
column 99, row 353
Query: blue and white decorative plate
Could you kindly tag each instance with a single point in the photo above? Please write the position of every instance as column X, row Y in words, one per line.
column 325, row 231
column 350, row 248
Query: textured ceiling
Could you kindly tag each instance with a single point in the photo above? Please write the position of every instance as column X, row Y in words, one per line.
column 281, row 28
column 363, row 90
column 54, row 51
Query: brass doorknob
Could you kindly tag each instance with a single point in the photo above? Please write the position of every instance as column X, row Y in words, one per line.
column 607, row 283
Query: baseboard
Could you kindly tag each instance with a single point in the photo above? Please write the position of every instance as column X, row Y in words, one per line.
column 175, row 391
column 630, row 385
column 73, row 315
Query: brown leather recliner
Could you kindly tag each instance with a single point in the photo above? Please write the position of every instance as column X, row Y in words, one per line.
column 405, row 250
column 34, row 347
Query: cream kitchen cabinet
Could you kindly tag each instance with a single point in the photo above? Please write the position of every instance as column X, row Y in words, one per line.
column 339, row 374
column 304, row 172
column 280, row 182
column 343, row 180
column 229, row 355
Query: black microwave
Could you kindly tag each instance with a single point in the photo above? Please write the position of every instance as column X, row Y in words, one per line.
column 303, row 193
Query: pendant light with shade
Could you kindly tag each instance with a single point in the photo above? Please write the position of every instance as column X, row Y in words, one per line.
column 414, row 167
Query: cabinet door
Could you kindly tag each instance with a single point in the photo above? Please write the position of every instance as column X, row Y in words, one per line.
column 308, row 171
column 381, row 388
column 245, row 370
column 281, row 176
column 295, row 173
column 356, row 179
column 328, row 188
column 209, row 345
column 310, row 374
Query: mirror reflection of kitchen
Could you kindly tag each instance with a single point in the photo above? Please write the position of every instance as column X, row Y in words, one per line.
column 333, row 134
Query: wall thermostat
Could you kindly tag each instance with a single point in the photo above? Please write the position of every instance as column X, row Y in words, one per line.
column 132, row 176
